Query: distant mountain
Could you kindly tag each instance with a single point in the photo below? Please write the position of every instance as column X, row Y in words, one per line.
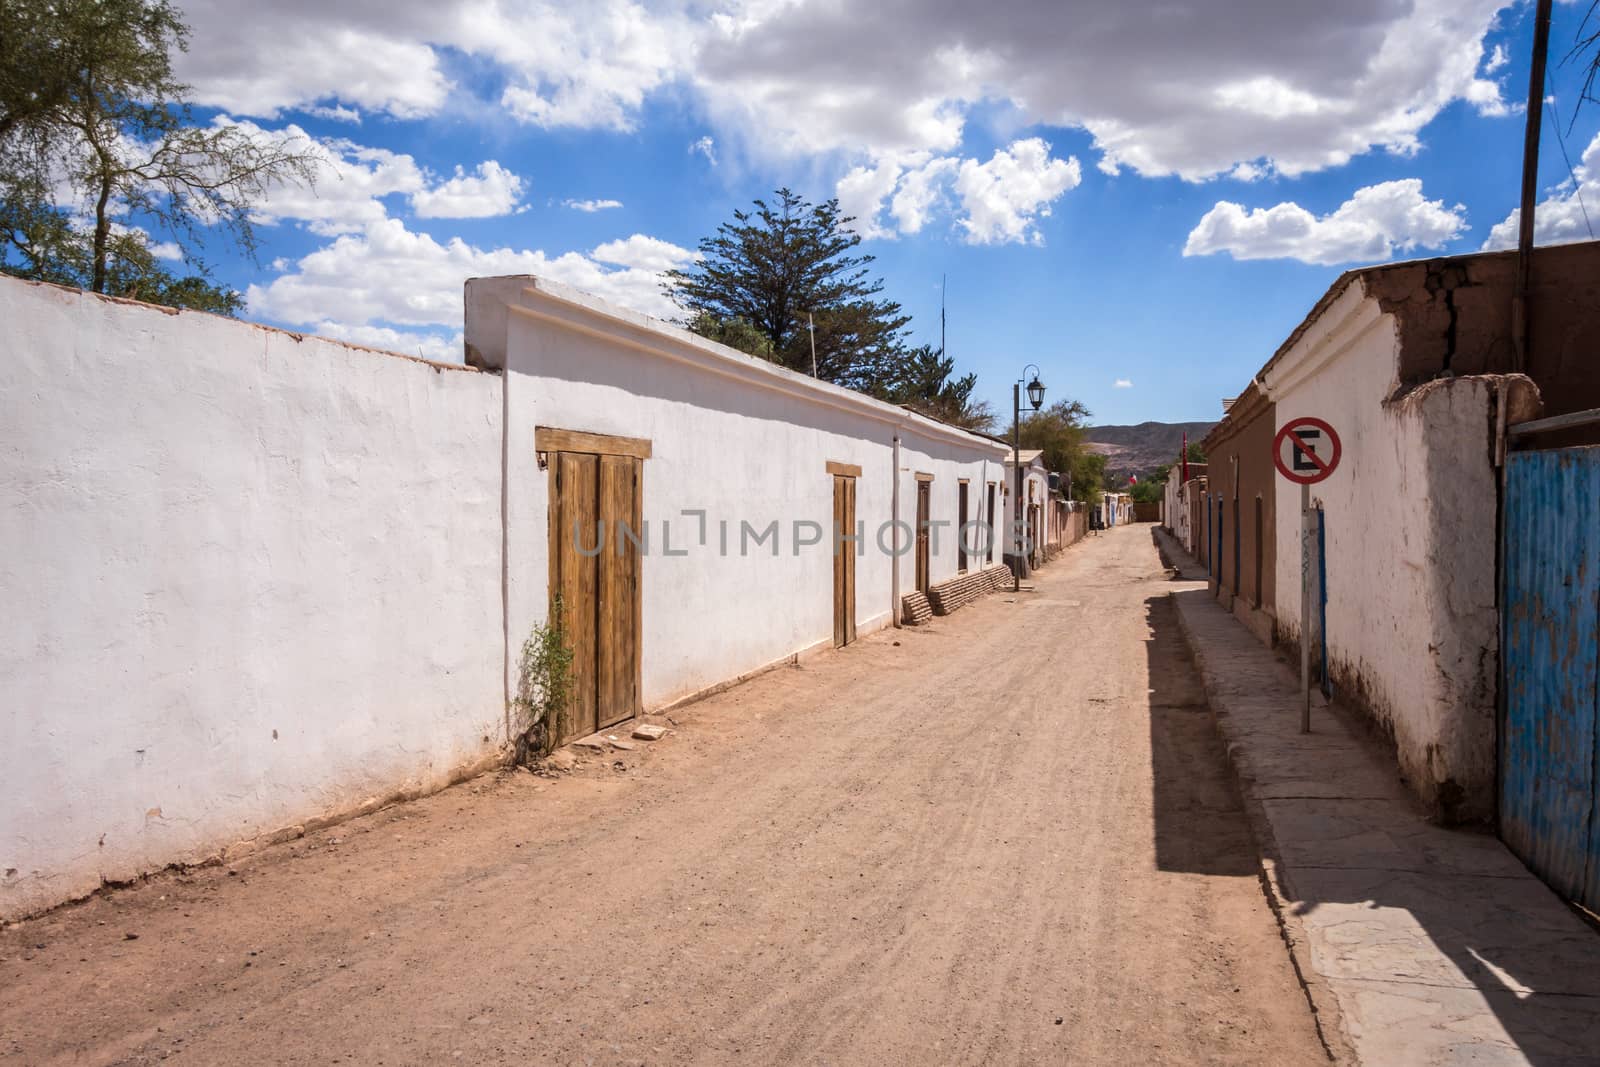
column 1140, row 449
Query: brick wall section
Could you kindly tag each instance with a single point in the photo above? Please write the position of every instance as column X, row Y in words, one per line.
column 947, row 596
column 915, row 609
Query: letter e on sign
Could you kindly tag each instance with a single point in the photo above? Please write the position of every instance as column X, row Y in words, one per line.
column 1306, row 450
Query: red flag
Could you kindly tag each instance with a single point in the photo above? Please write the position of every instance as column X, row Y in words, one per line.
column 1133, row 479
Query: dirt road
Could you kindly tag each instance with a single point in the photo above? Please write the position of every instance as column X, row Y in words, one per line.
column 1004, row 838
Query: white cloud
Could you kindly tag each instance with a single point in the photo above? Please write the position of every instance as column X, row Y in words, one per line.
column 1122, row 383
column 705, row 146
column 1195, row 90
column 1292, row 86
column 335, row 114
column 1497, row 59
column 591, row 206
column 443, row 348
column 351, row 182
column 1568, row 214
column 861, row 194
column 1373, row 225
column 1004, row 196
column 643, row 253
column 999, row 201
column 493, row 191
column 389, row 276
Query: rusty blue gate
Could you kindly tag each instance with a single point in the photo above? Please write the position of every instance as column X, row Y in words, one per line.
column 1550, row 614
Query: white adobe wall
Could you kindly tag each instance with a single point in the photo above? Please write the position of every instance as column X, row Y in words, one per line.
column 732, row 435
column 1410, row 528
column 251, row 579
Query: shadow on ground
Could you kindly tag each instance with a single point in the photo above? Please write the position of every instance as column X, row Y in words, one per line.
column 1200, row 824
column 1439, row 945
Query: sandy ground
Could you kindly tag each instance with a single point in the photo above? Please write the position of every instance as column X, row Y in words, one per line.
column 1008, row 837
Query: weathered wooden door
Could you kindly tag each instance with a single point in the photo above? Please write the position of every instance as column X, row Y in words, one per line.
column 924, row 488
column 961, row 527
column 1549, row 787
column 993, row 533
column 595, row 532
column 844, row 560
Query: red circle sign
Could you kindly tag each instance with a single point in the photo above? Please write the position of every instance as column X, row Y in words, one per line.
column 1306, row 450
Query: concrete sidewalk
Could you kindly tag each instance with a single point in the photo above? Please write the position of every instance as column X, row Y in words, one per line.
column 1417, row 944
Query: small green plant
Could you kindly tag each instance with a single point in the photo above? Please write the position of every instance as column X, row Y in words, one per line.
column 544, row 685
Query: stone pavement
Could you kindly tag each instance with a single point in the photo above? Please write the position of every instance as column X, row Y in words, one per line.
column 1417, row 944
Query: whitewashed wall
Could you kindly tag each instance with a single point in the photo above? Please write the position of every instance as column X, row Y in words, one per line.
column 731, row 435
column 1410, row 546
column 250, row 579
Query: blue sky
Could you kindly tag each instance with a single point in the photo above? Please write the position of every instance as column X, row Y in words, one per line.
column 1119, row 194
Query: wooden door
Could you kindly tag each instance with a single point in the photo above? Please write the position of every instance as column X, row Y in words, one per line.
column 961, row 528
column 594, row 570
column 993, row 533
column 618, row 607
column 923, row 500
column 844, row 560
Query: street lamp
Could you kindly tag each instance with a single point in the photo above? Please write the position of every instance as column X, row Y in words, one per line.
column 1036, row 398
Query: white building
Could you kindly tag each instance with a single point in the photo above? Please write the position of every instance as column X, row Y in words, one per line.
column 258, row 582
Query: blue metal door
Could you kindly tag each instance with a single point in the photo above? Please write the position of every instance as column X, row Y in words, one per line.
column 1550, row 611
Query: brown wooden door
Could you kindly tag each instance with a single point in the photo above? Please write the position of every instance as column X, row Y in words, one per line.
column 844, row 560
column 961, row 527
column 594, row 569
column 618, row 607
column 923, row 501
column 993, row 533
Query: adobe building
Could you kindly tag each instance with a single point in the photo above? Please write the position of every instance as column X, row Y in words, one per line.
column 1414, row 366
column 1240, row 504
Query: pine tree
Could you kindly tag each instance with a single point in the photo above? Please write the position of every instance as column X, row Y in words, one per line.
column 788, row 270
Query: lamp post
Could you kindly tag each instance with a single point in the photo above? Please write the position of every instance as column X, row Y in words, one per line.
column 1036, row 398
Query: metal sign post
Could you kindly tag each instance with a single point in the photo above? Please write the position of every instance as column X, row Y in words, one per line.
column 1305, row 451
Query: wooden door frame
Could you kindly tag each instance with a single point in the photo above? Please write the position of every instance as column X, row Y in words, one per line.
column 550, row 442
column 924, row 553
column 844, row 477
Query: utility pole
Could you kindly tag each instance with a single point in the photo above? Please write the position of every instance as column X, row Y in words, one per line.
column 941, row 316
column 1016, row 466
column 811, row 328
column 1520, row 317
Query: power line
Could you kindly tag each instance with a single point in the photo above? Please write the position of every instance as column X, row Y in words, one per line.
column 1561, row 140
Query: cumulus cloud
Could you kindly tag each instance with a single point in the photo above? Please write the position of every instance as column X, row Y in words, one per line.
column 643, row 253
column 591, row 206
column 1287, row 87
column 1122, row 383
column 353, row 182
column 1564, row 215
column 389, row 276
column 1375, row 224
column 706, row 147
column 993, row 202
column 1004, row 196
column 492, row 191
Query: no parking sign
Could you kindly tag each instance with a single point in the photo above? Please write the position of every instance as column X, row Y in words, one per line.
column 1306, row 450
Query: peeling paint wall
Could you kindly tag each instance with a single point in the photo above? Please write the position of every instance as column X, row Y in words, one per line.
column 1410, row 545
column 251, row 579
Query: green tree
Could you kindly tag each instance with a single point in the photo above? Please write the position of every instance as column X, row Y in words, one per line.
column 1059, row 430
column 924, row 380
column 783, row 267
column 97, row 145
